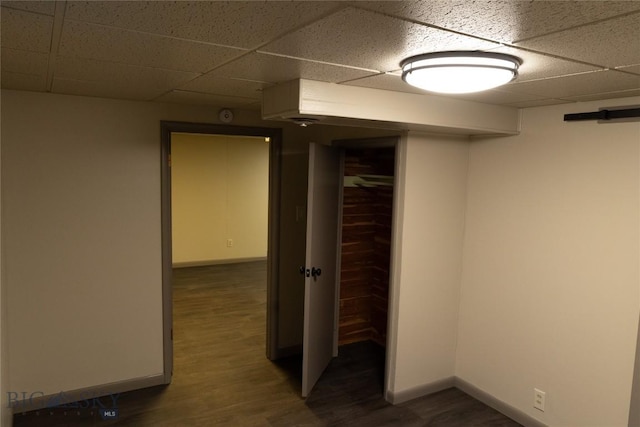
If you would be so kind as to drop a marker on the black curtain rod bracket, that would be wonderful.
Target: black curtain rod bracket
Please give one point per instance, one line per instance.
(605, 114)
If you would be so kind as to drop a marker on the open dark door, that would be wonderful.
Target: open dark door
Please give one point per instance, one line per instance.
(325, 182)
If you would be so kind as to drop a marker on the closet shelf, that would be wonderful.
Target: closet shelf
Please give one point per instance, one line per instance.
(368, 181)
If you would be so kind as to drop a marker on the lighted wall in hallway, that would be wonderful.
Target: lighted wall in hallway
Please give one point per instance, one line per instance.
(219, 187)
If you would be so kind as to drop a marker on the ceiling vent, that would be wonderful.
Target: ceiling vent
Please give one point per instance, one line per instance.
(304, 121)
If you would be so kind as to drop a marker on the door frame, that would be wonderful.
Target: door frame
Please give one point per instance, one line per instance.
(395, 142)
(273, 227)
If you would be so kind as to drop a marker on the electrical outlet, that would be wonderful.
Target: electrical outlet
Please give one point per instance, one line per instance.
(538, 399)
(229, 243)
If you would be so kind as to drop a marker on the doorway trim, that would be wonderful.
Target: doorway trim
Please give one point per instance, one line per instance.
(396, 142)
(273, 228)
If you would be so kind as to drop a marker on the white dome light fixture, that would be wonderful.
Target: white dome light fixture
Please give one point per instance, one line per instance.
(459, 71)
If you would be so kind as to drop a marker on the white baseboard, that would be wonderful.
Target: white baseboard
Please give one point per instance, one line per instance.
(22, 403)
(422, 390)
(500, 406)
(473, 391)
(204, 263)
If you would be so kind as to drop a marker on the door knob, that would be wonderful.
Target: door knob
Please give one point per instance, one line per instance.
(304, 271)
(315, 272)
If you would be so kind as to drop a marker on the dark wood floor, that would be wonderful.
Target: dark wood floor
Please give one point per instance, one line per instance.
(222, 377)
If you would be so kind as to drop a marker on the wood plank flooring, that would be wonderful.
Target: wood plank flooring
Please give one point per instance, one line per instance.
(222, 377)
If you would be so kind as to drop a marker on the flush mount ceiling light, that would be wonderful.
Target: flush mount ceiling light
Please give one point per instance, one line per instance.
(459, 71)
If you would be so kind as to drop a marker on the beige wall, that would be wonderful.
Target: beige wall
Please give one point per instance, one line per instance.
(81, 216)
(430, 208)
(550, 283)
(81, 219)
(549, 293)
(81, 225)
(220, 191)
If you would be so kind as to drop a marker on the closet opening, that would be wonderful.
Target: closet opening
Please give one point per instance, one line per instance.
(365, 259)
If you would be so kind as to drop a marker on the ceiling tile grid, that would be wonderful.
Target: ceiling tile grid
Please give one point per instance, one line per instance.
(393, 82)
(24, 62)
(82, 40)
(605, 95)
(610, 43)
(42, 7)
(206, 52)
(21, 81)
(565, 87)
(128, 81)
(504, 21)
(104, 71)
(635, 69)
(272, 69)
(225, 86)
(359, 38)
(536, 66)
(195, 98)
(242, 24)
(25, 30)
(119, 90)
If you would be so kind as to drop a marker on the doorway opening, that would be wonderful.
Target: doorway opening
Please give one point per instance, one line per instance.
(219, 199)
(365, 256)
(227, 250)
(348, 255)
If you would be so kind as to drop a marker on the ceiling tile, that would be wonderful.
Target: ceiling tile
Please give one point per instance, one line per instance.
(217, 85)
(273, 69)
(128, 81)
(500, 97)
(111, 44)
(194, 98)
(43, 7)
(574, 85)
(630, 69)
(538, 103)
(606, 95)
(121, 90)
(25, 30)
(505, 21)
(243, 24)
(25, 62)
(611, 43)
(20, 81)
(395, 83)
(359, 38)
(387, 81)
(538, 66)
(180, 50)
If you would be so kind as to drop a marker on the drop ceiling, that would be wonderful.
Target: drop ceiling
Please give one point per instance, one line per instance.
(226, 53)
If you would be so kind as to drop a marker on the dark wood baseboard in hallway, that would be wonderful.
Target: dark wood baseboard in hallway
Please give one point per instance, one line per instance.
(222, 377)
